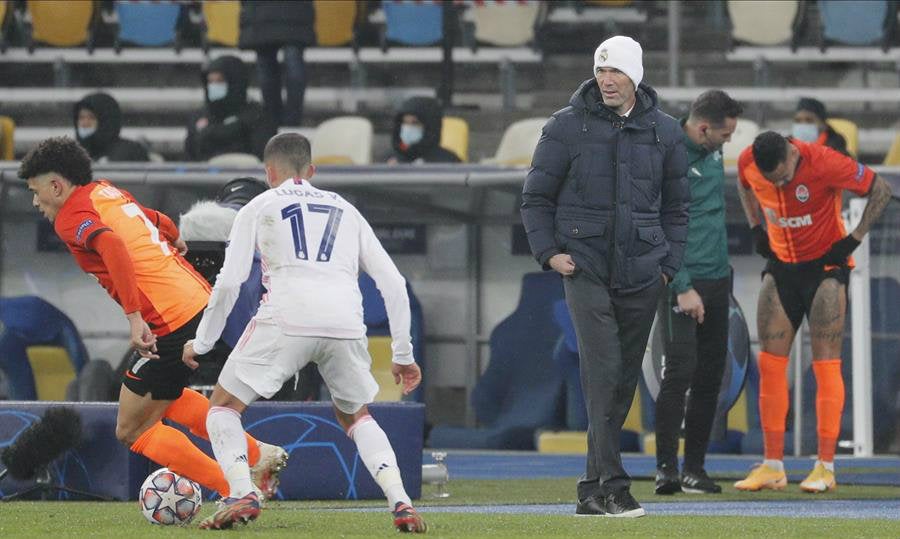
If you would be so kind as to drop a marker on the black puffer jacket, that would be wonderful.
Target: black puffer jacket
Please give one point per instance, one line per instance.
(273, 24)
(610, 191)
(428, 110)
(235, 124)
(105, 144)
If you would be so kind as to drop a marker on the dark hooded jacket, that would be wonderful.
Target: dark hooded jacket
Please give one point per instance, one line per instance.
(235, 124)
(274, 23)
(610, 191)
(105, 144)
(428, 111)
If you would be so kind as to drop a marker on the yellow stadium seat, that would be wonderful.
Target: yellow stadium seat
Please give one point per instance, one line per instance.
(575, 442)
(518, 143)
(849, 131)
(744, 133)
(7, 138)
(893, 156)
(222, 21)
(380, 350)
(343, 140)
(52, 371)
(60, 23)
(334, 22)
(455, 136)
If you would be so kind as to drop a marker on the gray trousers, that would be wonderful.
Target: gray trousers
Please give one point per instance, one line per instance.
(612, 331)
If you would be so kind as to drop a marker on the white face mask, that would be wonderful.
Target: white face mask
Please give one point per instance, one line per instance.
(805, 132)
(411, 134)
(216, 90)
(85, 132)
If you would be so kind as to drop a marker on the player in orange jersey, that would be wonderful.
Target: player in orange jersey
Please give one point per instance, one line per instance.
(136, 255)
(798, 186)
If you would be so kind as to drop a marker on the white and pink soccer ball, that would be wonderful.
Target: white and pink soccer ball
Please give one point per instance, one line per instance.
(168, 499)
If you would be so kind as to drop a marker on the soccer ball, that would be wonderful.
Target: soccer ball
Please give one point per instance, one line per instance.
(167, 498)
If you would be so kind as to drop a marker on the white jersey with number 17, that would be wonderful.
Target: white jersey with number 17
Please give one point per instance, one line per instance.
(313, 244)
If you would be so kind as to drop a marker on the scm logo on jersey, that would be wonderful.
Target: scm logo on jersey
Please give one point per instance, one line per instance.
(788, 222)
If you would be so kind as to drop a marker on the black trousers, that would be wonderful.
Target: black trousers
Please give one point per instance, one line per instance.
(612, 331)
(695, 360)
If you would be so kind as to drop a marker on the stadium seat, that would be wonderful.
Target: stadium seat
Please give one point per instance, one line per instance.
(892, 158)
(222, 18)
(345, 140)
(764, 22)
(335, 22)
(519, 391)
(380, 350)
(504, 25)
(518, 143)
(60, 24)
(7, 138)
(856, 22)
(412, 23)
(3, 11)
(850, 132)
(147, 25)
(235, 160)
(52, 370)
(455, 136)
(742, 137)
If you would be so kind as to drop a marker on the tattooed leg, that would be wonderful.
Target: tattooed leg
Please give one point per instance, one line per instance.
(773, 325)
(826, 319)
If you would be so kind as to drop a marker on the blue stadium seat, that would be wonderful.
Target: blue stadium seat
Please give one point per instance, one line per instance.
(856, 22)
(413, 23)
(29, 321)
(147, 25)
(521, 390)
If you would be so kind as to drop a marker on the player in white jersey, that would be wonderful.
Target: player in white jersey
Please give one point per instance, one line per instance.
(313, 244)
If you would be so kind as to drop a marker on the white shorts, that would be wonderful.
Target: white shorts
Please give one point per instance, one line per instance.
(265, 358)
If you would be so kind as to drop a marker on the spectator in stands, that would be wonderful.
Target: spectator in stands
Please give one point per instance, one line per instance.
(693, 314)
(605, 205)
(268, 27)
(810, 125)
(230, 123)
(416, 137)
(98, 121)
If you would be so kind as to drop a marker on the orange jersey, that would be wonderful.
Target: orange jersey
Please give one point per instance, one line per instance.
(171, 292)
(804, 216)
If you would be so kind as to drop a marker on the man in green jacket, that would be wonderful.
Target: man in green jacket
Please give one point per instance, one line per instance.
(694, 312)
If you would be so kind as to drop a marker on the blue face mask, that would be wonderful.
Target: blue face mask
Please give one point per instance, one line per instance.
(411, 134)
(805, 132)
(216, 90)
(85, 132)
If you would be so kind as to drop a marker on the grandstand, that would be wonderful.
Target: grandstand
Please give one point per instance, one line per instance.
(455, 231)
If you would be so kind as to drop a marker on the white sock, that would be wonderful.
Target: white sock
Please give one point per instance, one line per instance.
(226, 435)
(828, 465)
(776, 465)
(376, 453)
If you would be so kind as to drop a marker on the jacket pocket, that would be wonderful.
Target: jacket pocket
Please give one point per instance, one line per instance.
(578, 235)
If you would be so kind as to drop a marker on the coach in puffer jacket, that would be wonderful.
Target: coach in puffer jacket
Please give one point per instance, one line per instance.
(605, 204)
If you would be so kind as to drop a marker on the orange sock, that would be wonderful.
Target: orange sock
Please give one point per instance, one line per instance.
(190, 410)
(773, 402)
(173, 449)
(829, 405)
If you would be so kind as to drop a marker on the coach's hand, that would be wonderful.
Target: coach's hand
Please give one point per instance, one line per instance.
(761, 242)
(188, 356)
(840, 250)
(410, 375)
(562, 263)
(690, 303)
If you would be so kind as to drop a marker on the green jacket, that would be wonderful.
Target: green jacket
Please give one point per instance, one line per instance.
(706, 253)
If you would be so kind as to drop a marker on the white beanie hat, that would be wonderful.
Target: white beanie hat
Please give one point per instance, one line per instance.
(622, 53)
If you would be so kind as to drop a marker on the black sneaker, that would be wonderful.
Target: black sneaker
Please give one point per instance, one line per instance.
(698, 483)
(622, 504)
(591, 506)
(667, 482)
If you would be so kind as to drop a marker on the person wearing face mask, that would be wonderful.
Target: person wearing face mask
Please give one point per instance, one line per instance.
(98, 121)
(810, 125)
(417, 133)
(693, 314)
(229, 123)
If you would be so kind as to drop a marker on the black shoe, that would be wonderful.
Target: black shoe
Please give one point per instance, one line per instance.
(698, 483)
(592, 505)
(667, 481)
(622, 504)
